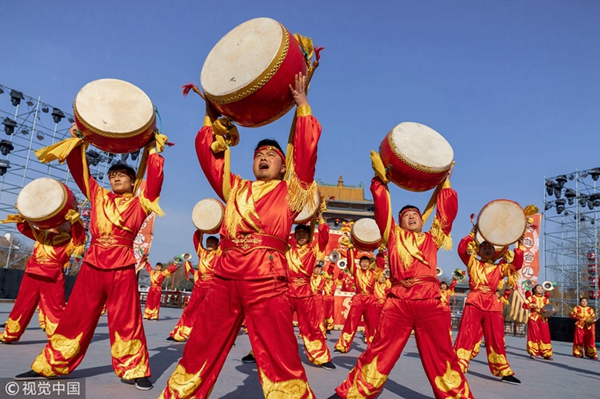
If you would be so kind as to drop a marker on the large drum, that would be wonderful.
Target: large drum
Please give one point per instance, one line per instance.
(417, 158)
(246, 76)
(309, 211)
(365, 234)
(501, 222)
(208, 215)
(44, 202)
(114, 115)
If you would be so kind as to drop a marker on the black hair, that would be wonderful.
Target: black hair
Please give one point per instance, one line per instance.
(405, 207)
(124, 167)
(443, 282)
(271, 142)
(213, 238)
(159, 264)
(302, 227)
(365, 257)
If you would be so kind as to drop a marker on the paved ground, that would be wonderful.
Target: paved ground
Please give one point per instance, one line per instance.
(565, 377)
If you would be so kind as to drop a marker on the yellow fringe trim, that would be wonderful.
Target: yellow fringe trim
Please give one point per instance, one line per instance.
(405, 256)
(225, 135)
(232, 217)
(13, 218)
(442, 240)
(299, 196)
(151, 206)
(72, 216)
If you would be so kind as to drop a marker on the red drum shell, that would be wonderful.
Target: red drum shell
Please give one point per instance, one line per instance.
(102, 97)
(271, 101)
(366, 235)
(501, 222)
(208, 215)
(44, 202)
(409, 176)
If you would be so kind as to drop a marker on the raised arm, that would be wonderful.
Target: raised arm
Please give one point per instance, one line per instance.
(154, 176)
(323, 235)
(464, 252)
(383, 208)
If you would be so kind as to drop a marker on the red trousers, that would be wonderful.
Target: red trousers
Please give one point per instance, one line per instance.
(584, 342)
(328, 303)
(117, 288)
(475, 322)
(399, 317)
(538, 338)
(309, 322)
(266, 306)
(36, 289)
(362, 305)
(153, 303)
(183, 328)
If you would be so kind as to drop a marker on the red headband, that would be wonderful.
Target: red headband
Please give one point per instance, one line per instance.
(409, 209)
(271, 148)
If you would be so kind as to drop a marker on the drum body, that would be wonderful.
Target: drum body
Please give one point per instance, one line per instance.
(44, 202)
(246, 76)
(208, 215)
(365, 234)
(114, 115)
(309, 211)
(416, 157)
(501, 222)
(547, 311)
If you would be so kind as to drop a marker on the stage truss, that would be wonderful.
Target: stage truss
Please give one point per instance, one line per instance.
(27, 124)
(571, 206)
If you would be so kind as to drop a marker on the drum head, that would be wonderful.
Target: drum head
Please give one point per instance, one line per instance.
(309, 211)
(113, 107)
(501, 222)
(41, 199)
(207, 215)
(421, 147)
(242, 56)
(366, 231)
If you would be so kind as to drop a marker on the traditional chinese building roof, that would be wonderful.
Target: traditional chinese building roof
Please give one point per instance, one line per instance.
(346, 203)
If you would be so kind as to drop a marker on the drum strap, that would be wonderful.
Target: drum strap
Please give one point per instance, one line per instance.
(250, 242)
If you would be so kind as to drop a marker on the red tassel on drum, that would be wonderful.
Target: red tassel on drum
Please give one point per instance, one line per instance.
(318, 52)
(187, 88)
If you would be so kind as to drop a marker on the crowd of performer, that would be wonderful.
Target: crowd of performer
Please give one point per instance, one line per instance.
(262, 269)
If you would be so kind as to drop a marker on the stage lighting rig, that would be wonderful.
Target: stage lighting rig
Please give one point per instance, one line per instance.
(4, 165)
(16, 97)
(9, 126)
(6, 147)
(57, 115)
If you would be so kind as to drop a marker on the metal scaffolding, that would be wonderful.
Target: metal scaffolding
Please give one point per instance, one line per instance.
(571, 206)
(30, 124)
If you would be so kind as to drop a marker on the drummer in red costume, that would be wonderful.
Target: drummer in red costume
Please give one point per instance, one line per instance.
(251, 275)
(363, 302)
(157, 277)
(203, 278)
(301, 258)
(413, 301)
(481, 312)
(329, 286)
(43, 281)
(107, 276)
(538, 331)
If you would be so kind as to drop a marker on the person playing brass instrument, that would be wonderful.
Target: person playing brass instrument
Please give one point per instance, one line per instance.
(584, 340)
(538, 331)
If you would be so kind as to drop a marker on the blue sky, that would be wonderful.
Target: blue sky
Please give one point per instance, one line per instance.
(514, 86)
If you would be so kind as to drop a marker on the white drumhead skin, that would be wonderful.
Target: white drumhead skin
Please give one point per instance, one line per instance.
(309, 210)
(502, 222)
(366, 231)
(113, 106)
(41, 198)
(241, 56)
(207, 214)
(422, 146)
